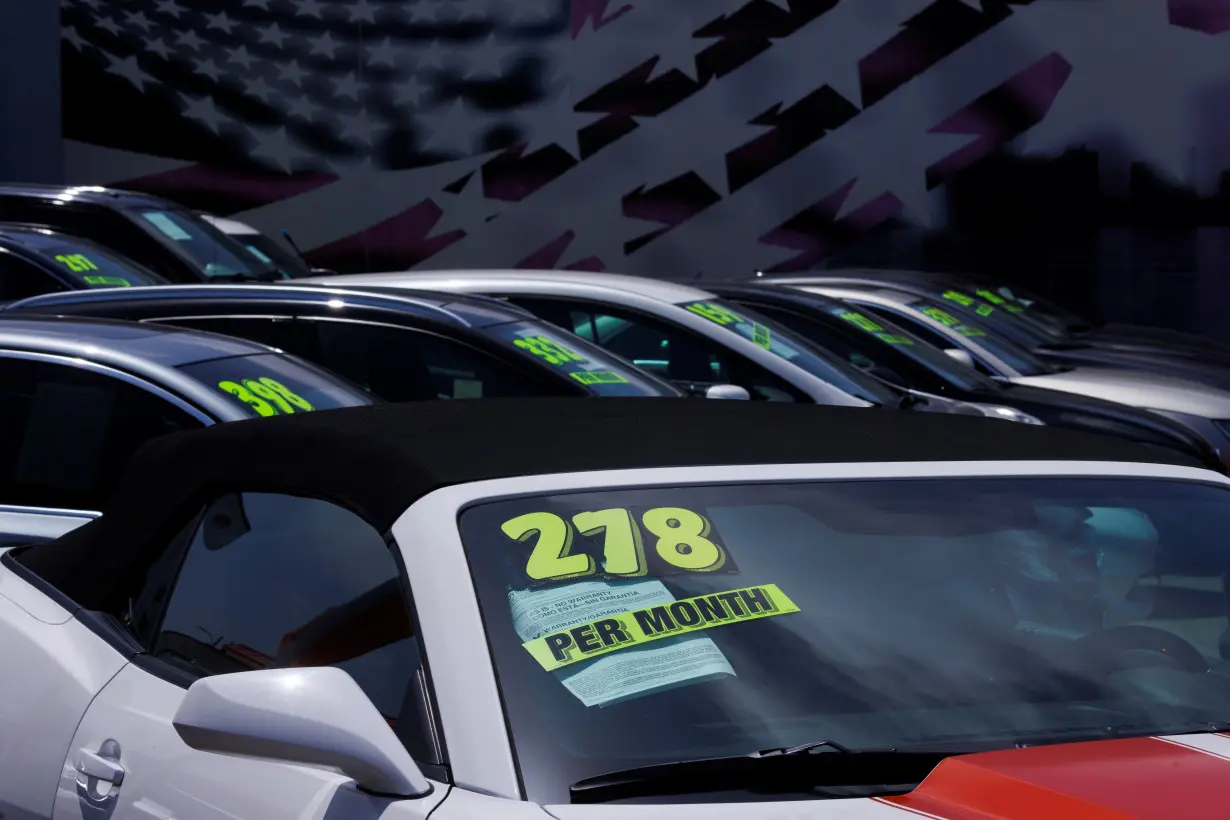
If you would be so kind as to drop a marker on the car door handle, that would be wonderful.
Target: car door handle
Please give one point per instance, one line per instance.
(94, 765)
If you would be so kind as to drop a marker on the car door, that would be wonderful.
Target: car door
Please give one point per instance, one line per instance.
(69, 427)
(254, 581)
(676, 354)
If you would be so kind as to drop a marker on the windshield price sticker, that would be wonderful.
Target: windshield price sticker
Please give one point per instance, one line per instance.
(548, 349)
(641, 626)
(266, 396)
(869, 325)
(107, 281)
(658, 541)
(948, 320)
(590, 377)
(76, 262)
(997, 300)
(981, 308)
(719, 315)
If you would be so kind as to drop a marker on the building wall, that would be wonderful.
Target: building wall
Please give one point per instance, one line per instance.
(30, 91)
(1081, 146)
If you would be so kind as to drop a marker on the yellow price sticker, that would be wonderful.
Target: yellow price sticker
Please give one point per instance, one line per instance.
(681, 539)
(107, 281)
(548, 349)
(871, 326)
(590, 377)
(266, 396)
(76, 262)
(641, 626)
(948, 320)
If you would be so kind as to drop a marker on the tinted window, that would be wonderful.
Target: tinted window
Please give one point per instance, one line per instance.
(273, 581)
(89, 264)
(68, 432)
(664, 350)
(270, 384)
(399, 364)
(212, 252)
(19, 279)
(268, 249)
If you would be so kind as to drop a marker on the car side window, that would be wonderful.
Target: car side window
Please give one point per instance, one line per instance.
(277, 581)
(399, 364)
(687, 359)
(20, 280)
(68, 432)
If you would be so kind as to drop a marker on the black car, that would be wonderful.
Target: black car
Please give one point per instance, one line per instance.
(174, 242)
(401, 347)
(36, 260)
(896, 355)
(1054, 335)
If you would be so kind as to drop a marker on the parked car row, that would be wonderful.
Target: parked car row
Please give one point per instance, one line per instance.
(257, 559)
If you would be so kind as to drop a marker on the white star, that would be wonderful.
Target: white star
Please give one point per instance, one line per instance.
(260, 89)
(170, 8)
(273, 35)
(129, 70)
(279, 149)
(431, 56)
(242, 56)
(139, 20)
(292, 73)
(360, 128)
(74, 37)
(383, 54)
(204, 110)
(325, 46)
(302, 107)
(450, 130)
(107, 24)
(220, 21)
(411, 90)
(362, 11)
(189, 39)
(347, 85)
(555, 123)
(487, 59)
(210, 69)
(157, 45)
(309, 8)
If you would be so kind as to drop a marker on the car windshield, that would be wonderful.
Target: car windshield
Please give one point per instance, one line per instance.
(214, 254)
(270, 384)
(786, 344)
(632, 627)
(904, 343)
(979, 332)
(269, 250)
(90, 264)
(1002, 314)
(602, 373)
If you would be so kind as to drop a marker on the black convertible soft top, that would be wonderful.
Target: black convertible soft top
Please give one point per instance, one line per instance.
(377, 461)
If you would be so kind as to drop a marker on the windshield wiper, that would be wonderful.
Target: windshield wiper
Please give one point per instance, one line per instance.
(807, 768)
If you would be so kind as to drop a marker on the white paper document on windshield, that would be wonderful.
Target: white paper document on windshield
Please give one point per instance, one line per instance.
(626, 674)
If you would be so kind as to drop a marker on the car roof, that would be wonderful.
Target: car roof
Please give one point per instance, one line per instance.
(93, 194)
(377, 461)
(770, 293)
(118, 343)
(660, 289)
(461, 309)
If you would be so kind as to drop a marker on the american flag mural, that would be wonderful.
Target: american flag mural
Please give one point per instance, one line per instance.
(673, 138)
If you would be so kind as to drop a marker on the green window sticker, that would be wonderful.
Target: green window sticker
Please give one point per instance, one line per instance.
(997, 300)
(266, 396)
(948, 320)
(758, 333)
(548, 349)
(592, 377)
(76, 262)
(106, 281)
(874, 328)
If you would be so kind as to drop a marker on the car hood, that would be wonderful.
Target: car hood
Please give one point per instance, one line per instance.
(1139, 389)
(1185, 776)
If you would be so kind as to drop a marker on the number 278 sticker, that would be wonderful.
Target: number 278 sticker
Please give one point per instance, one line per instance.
(679, 540)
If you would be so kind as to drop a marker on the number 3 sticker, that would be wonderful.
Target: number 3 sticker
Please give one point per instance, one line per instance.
(680, 538)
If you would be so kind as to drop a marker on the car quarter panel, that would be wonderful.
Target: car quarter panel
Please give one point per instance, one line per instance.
(451, 621)
(55, 668)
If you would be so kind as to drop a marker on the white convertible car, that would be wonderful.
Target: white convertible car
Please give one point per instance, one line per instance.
(533, 608)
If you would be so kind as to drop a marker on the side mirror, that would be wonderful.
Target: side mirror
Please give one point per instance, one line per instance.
(961, 355)
(727, 391)
(315, 715)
